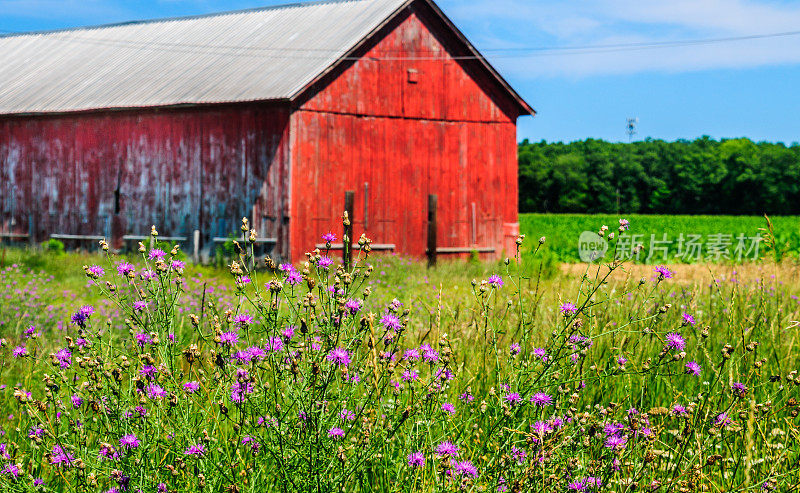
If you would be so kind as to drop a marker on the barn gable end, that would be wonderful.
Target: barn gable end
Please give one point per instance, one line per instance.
(406, 119)
(414, 66)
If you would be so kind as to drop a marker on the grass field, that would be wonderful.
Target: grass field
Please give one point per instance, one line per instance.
(563, 230)
(393, 377)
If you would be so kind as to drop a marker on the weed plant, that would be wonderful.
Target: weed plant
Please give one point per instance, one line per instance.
(307, 379)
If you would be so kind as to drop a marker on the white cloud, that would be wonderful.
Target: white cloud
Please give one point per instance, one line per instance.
(541, 23)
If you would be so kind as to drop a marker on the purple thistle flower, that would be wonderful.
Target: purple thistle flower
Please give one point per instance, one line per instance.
(95, 271)
(496, 281)
(688, 320)
(294, 278)
(288, 333)
(274, 344)
(616, 442)
(447, 449)
(156, 254)
(416, 459)
(11, 470)
(448, 408)
(568, 309)
(624, 224)
(513, 398)
(722, 420)
(739, 389)
(693, 368)
(80, 317)
(155, 391)
(242, 320)
(20, 351)
(325, 263)
(195, 450)
(541, 428)
(353, 306)
(191, 387)
(465, 468)
(240, 390)
(125, 268)
(339, 356)
(410, 376)
(390, 322)
(515, 349)
(228, 338)
(443, 374)
(139, 306)
(60, 457)
(518, 454)
(142, 338)
(429, 354)
(148, 371)
(679, 410)
(411, 354)
(663, 272)
(64, 358)
(540, 353)
(178, 265)
(675, 341)
(335, 433)
(130, 441)
(329, 237)
(77, 401)
(541, 399)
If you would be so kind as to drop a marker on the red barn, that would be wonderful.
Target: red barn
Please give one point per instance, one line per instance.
(192, 123)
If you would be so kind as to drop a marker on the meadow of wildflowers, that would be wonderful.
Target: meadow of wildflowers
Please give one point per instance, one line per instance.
(310, 377)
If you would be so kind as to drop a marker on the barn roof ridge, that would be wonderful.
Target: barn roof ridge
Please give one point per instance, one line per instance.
(177, 18)
(220, 57)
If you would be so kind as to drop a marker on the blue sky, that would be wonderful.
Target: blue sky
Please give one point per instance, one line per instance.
(747, 88)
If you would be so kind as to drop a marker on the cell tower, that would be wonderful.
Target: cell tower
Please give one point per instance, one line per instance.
(631, 127)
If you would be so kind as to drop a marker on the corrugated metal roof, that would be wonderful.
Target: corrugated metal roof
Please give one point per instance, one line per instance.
(258, 54)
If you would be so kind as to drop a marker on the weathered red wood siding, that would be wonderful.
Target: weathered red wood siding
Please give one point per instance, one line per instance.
(180, 169)
(407, 128)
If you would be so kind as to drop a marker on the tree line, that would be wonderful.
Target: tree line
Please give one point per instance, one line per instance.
(703, 176)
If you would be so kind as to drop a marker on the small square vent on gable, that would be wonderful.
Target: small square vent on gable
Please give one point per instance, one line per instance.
(413, 76)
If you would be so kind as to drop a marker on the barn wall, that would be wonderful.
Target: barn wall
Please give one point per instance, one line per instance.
(117, 173)
(402, 161)
(407, 129)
